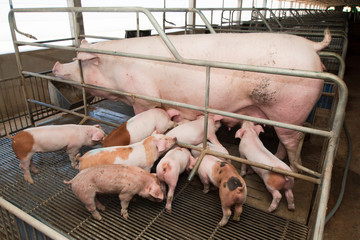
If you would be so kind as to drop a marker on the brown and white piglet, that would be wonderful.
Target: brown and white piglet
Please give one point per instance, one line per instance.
(140, 127)
(53, 138)
(170, 167)
(232, 187)
(142, 154)
(253, 150)
(126, 181)
(192, 132)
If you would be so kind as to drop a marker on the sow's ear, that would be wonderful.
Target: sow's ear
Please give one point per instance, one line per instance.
(86, 56)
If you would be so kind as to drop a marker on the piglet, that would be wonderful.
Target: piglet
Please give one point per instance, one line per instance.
(126, 181)
(253, 149)
(141, 126)
(142, 154)
(232, 187)
(170, 167)
(53, 138)
(192, 132)
(218, 148)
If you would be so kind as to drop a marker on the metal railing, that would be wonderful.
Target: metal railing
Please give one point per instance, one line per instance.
(332, 134)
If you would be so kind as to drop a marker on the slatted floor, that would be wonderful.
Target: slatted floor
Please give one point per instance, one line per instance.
(195, 214)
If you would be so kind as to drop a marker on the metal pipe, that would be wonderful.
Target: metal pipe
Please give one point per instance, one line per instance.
(53, 234)
(196, 108)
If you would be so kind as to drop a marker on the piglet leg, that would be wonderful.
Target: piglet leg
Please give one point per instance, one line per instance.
(290, 199)
(125, 200)
(237, 211)
(170, 198)
(99, 205)
(25, 164)
(276, 200)
(226, 216)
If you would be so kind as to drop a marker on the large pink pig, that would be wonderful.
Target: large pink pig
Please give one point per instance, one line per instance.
(275, 97)
(53, 138)
(192, 132)
(253, 150)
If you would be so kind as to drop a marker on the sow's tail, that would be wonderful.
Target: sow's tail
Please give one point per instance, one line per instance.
(325, 42)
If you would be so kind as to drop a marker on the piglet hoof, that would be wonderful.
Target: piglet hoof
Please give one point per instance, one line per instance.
(272, 208)
(96, 215)
(168, 209)
(236, 218)
(29, 179)
(291, 207)
(125, 214)
(223, 222)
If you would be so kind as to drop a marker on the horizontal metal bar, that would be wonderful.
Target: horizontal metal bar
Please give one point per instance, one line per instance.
(73, 112)
(242, 160)
(193, 107)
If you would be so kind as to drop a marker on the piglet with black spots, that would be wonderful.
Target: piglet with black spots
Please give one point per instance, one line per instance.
(53, 138)
(253, 150)
(232, 187)
(127, 181)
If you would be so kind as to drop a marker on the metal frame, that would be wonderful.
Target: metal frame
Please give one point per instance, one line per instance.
(333, 134)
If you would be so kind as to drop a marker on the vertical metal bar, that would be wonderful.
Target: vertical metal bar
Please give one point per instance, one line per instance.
(4, 223)
(77, 44)
(19, 64)
(137, 25)
(196, 167)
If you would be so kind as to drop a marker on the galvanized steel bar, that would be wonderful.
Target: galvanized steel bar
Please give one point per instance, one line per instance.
(32, 221)
(197, 108)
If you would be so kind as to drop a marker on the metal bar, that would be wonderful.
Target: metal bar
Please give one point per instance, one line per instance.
(32, 221)
(197, 108)
(19, 63)
(243, 160)
(73, 112)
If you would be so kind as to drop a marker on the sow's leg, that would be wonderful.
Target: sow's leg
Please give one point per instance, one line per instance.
(290, 140)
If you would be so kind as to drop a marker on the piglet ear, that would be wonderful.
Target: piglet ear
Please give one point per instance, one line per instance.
(239, 133)
(98, 136)
(161, 145)
(172, 112)
(258, 129)
(97, 126)
(155, 193)
(217, 118)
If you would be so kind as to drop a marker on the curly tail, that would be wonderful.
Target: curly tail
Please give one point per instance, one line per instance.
(325, 42)
(68, 182)
(8, 135)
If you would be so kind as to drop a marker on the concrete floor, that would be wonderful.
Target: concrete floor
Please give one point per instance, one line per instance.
(345, 224)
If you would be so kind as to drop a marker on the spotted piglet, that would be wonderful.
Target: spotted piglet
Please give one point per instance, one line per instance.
(232, 187)
(127, 181)
(142, 154)
(253, 149)
(141, 126)
(53, 138)
(170, 167)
